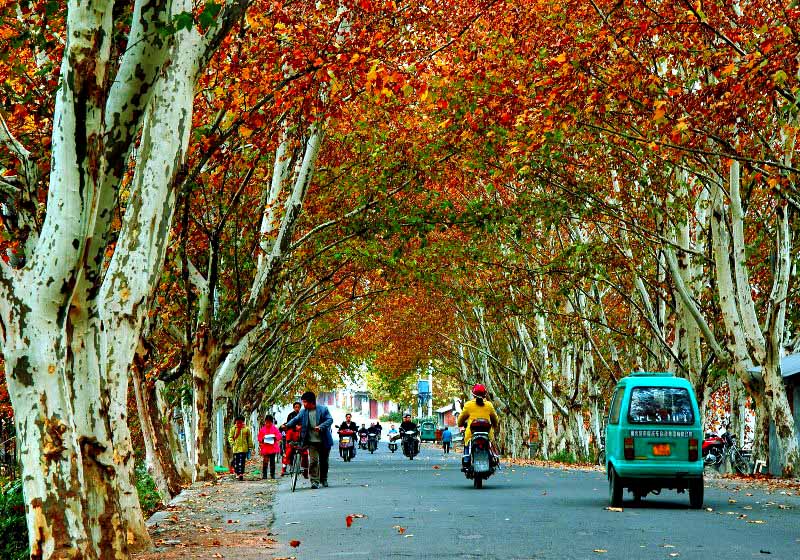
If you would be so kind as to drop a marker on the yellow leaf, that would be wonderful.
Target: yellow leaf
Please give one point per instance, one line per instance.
(561, 59)
(372, 75)
(245, 132)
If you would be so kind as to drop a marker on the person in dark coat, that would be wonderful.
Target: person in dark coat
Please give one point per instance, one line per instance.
(316, 422)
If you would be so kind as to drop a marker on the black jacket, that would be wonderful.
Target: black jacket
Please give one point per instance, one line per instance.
(408, 427)
(349, 426)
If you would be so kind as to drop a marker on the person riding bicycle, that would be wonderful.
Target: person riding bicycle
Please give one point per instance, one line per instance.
(477, 409)
(292, 445)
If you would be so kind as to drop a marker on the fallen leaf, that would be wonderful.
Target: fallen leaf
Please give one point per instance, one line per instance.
(407, 536)
(600, 550)
(348, 521)
(610, 508)
(294, 544)
(437, 467)
(731, 501)
(674, 554)
(756, 521)
(667, 546)
(217, 555)
(400, 529)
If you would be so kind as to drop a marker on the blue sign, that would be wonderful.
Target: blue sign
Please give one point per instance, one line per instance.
(423, 387)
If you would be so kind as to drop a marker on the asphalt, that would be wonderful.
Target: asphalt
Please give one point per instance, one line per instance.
(427, 509)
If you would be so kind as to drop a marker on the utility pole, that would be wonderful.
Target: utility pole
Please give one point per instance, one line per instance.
(430, 391)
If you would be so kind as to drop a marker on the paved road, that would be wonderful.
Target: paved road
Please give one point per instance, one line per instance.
(521, 513)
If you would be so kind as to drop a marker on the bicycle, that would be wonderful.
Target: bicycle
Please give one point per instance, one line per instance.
(297, 464)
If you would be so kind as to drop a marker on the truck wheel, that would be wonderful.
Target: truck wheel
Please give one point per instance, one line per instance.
(696, 493)
(614, 488)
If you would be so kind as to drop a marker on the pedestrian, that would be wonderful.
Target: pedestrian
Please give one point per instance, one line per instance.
(447, 439)
(269, 443)
(316, 422)
(241, 440)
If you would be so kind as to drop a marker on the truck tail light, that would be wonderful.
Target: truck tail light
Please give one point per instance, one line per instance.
(693, 449)
(629, 448)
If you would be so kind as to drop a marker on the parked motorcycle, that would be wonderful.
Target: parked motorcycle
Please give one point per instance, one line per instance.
(480, 462)
(372, 442)
(717, 447)
(347, 445)
(410, 444)
(362, 440)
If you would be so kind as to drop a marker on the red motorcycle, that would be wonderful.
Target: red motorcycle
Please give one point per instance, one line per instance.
(717, 447)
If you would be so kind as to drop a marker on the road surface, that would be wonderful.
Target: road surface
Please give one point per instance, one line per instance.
(426, 509)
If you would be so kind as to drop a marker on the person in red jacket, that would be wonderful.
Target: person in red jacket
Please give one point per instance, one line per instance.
(293, 446)
(269, 442)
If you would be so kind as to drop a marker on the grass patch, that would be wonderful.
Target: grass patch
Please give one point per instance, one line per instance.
(13, 529)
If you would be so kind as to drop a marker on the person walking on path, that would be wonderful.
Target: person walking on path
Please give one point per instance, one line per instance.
(269, 443)
(316, 422)
(447, 439)
(241, 440)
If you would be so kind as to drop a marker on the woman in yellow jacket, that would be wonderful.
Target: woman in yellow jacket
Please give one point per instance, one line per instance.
(241, 440)
(477, 408)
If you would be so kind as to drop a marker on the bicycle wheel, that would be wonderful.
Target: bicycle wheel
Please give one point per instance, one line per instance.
(296, 468)
(739, 462)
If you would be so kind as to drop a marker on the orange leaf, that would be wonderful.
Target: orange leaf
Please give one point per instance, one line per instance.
(348, 520)
(294, 544)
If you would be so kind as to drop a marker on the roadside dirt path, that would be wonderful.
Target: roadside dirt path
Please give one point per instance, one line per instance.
(229, 519)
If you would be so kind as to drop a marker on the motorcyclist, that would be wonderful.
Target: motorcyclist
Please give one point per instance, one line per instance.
(348, 424)
(407, 426)
(477, 408)
(373, 429)
(392, 435)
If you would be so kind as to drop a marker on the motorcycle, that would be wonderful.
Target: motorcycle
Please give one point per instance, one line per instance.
(410, 444)
(717, 447)
(347, 445)
(362, 440)
(480, 461)
(372, 442)
(392, 444)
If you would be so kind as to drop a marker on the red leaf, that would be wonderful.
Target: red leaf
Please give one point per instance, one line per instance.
(294, 544)
(348, 520)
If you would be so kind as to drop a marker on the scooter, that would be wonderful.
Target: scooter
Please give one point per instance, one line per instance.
(410, 445)
(347, 445)
(479, 461)
(362, 440)
(372, 442)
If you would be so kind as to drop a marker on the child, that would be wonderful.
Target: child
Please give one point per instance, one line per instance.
(292, 446)
(269, 442)
(241, 440)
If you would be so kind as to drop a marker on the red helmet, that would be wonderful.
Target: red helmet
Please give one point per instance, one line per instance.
(479, 390)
